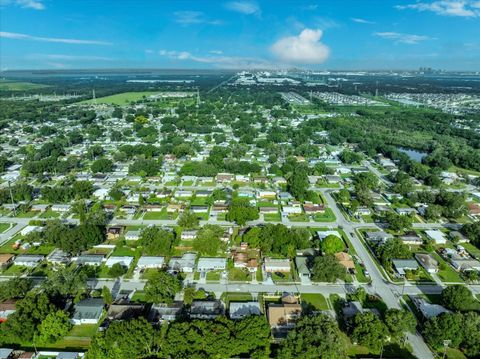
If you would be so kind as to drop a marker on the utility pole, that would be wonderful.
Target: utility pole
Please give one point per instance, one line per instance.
(11, 197)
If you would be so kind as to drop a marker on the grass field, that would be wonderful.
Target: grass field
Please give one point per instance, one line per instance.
(6, 85)
(4, 227)
(121, 98)
(318, 301)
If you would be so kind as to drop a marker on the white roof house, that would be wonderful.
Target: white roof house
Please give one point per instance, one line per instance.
(437, 236)
(324, 234)
(210, 263)
(239, 310)
(277, 265)
(30, 229)
(123, 261)
(133, 235)
(28, 260)
(146, 262)
(185, 263)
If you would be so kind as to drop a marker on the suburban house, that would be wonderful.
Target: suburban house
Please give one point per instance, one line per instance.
(378, 236)
(284, 315)
(160, 313)
(88, 311)
(302, 268)
(427, 309)
(123, 261)
(90, 259)
(403, 265)
(272, 265)
(206, 309)
(148, 262)
(6, 260)
(189, 235)
(346, 260)
(240, 310)
(185, 263)
(427, 262)
(133, 235)
(437, 236)
(206, 264)
(28, 260)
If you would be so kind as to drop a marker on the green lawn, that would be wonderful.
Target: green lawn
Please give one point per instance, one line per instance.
(239, 275)
(4, 227)
(318, 301)
(14, 270)
(298, 217)
(7, 85)
(163, 215)
(84, 330)
(138, 296)
(471, 249)
(272, 217)
(213, 275)
(121, 98)
(448, 274)
(236, 297)
(328, 216)
(50, 214)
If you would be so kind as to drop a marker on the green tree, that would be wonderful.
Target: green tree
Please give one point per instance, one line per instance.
(117, 270)
(125, 340)
(240, 211)
(15, 288)
(332, 244)
(398, 222)
(368, 330)
(208, 240)
(446, 326)
(327, 269)
(54, 327)
(399, 322)
(65, 281)
(314, 337)
(107, 295)
(458, 298)
(157, 241)
(30, 311)
(161, 287)
(188, 220)
(102, 165)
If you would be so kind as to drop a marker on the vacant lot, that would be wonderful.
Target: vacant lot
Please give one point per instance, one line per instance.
(122, 98)
(6, 85)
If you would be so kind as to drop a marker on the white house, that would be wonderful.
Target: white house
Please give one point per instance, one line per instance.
(437, 236)
(147, 262)
(211, 263)
(185, 263)
(123, 261)
(276, 265)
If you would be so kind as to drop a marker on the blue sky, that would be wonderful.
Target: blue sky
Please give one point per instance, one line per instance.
(327, 34)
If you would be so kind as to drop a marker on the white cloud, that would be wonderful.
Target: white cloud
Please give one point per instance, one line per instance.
(462, 8)
(18, 36)
(62, 57)
(225, 62)
(361, 21)
(26, 4)
(244, 7)
(194, 17)
(305, 48)
(402, 38)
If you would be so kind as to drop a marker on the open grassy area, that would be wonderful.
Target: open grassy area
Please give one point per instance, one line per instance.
(121, 98)
(328, 216)
(7, 85)
(446, 273)
(272, 217)
(236, 297)
(317, 301)
(238, 275)
(4, 227)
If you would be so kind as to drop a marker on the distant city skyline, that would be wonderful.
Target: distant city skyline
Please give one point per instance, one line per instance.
(346, 35)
